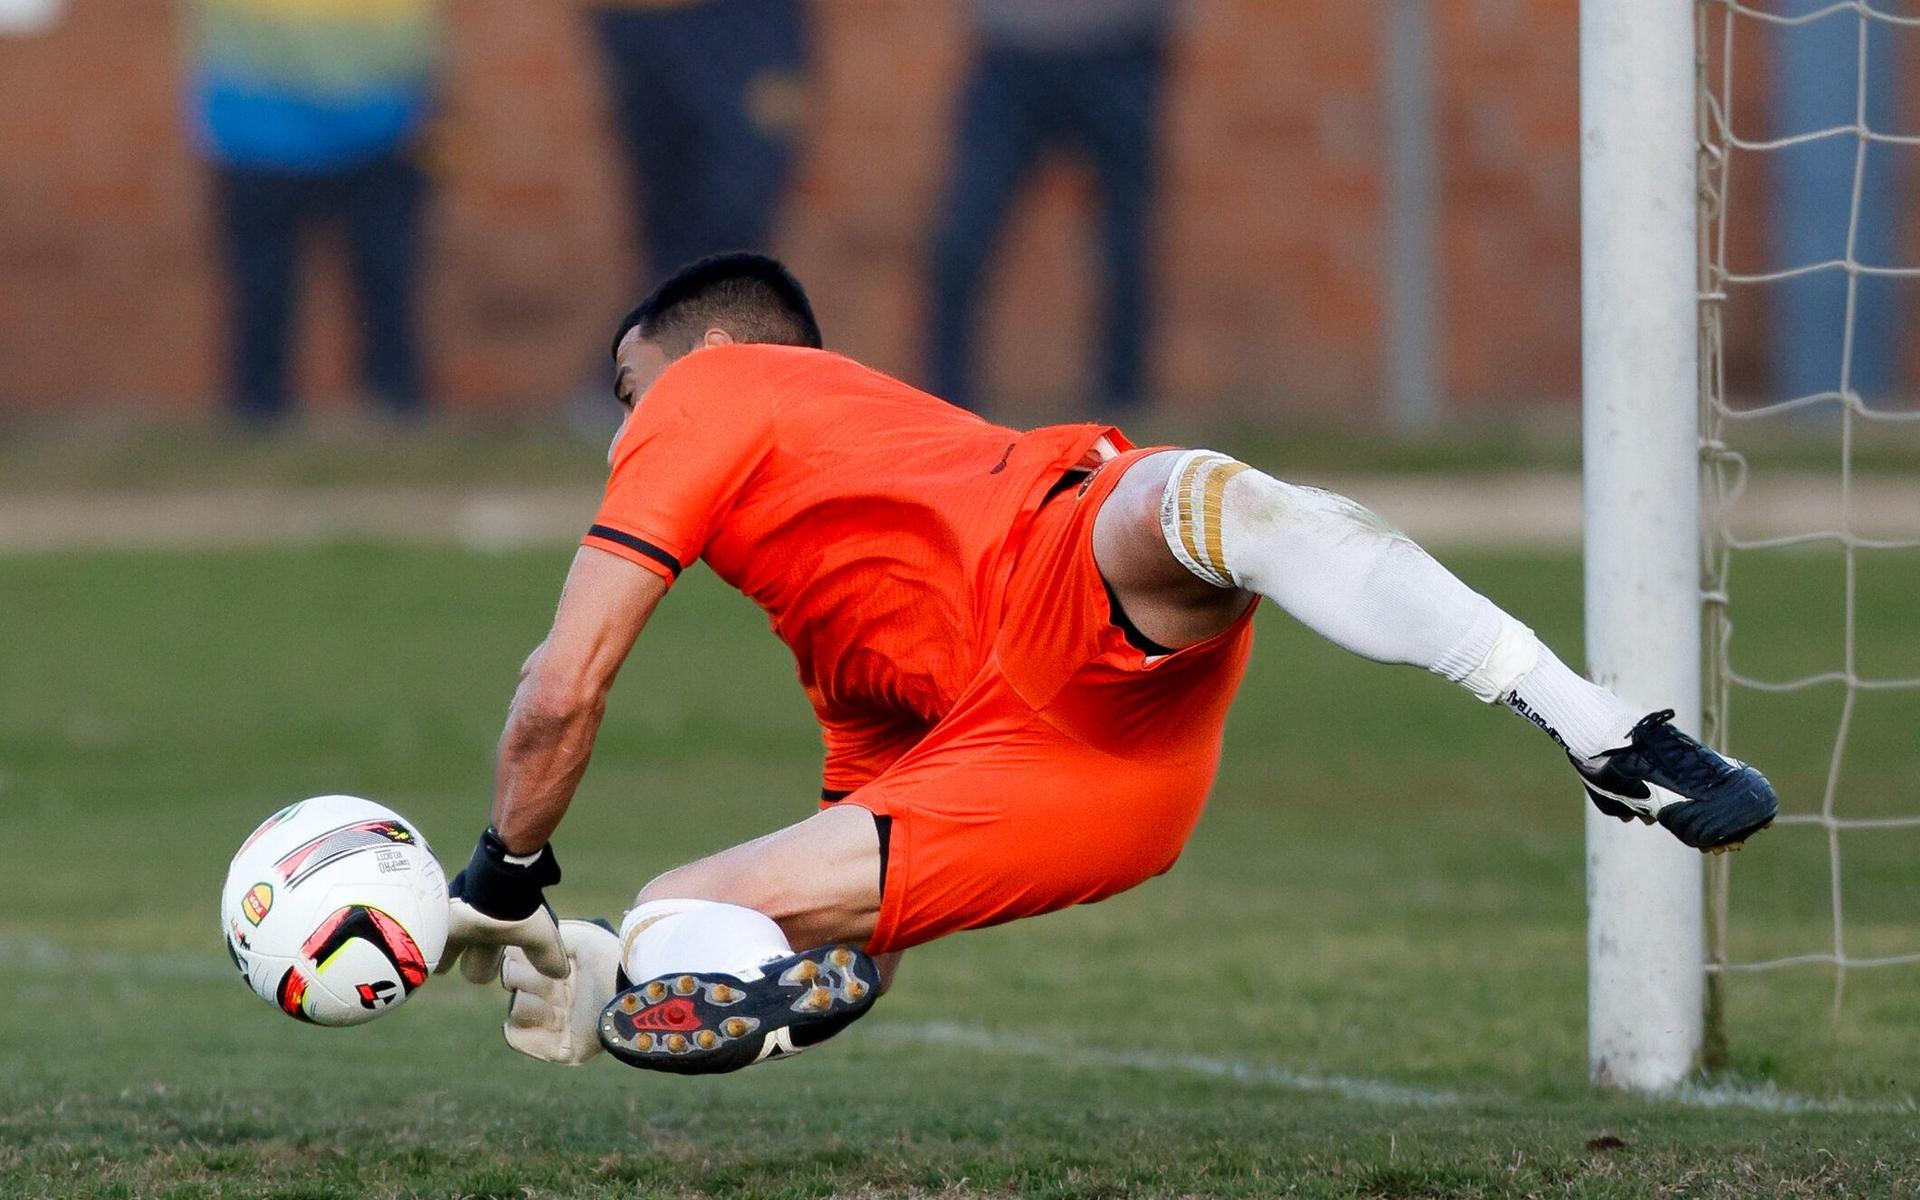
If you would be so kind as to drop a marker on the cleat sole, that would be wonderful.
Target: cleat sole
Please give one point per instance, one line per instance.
(699, 1024)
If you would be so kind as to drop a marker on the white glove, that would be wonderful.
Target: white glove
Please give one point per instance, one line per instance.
(497, 902)
(558, 1020)
(478, 941)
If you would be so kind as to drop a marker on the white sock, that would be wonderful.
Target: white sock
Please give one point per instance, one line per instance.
(1350, 577)
(661, 937)
(1585, 718)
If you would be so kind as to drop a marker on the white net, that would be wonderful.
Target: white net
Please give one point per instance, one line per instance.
(1832, 694)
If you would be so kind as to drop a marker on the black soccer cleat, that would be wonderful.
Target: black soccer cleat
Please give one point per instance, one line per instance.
(694, 1024)
(1720, 801)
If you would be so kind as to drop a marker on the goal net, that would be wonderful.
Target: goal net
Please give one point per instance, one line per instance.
(1803, 289)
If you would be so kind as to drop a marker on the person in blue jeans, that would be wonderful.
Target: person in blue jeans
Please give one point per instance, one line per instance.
(310, 115)
(706, 99)
(1083, 76)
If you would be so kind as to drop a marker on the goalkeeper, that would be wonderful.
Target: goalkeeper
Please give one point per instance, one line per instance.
(1020, 646)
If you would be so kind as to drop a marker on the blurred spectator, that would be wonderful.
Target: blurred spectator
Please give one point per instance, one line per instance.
(1815, 84)
(1077, 75)
(706, 98)
(310, 114)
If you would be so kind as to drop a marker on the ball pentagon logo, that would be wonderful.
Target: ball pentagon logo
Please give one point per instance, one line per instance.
(377, 929)
(258, 900)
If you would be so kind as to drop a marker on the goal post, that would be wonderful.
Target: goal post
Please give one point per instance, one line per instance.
(1640, 434)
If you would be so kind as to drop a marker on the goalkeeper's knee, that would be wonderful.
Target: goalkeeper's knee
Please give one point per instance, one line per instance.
(1340, 570)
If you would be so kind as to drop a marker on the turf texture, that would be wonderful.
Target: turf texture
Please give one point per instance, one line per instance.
(1364, 978)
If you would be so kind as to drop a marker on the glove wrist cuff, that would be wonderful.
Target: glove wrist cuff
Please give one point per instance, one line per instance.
(505, 886)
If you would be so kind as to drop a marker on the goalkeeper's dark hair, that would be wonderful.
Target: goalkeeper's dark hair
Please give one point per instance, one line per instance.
(753, 297)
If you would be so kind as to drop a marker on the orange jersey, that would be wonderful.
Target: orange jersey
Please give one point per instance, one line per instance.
(875, 525)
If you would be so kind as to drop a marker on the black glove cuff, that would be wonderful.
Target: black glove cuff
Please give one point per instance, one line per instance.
(503, 890)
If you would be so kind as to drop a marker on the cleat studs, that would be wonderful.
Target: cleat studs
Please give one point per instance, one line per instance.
(816, 1000)
(685, 985)
(656, 990)
(722, 994)
(676, 1043)
(855, 989)
(643, 1041)
(706, 1039)
(629, 1003)
(735, 1027)
(804, 971)
(841, 956)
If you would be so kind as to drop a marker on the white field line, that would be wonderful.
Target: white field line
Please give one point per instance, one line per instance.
(1231, 1070)
(1252, 1073)
(45, 956)
(1541, 509)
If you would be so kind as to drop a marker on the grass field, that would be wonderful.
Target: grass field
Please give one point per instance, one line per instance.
(1365, 978)
(346, 448)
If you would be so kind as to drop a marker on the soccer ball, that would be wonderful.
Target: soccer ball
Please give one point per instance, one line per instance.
(335, 910)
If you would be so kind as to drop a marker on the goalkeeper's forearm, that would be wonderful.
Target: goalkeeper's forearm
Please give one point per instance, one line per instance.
(543, 753)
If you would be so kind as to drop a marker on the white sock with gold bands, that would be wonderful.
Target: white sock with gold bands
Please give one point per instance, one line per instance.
(1350, 577)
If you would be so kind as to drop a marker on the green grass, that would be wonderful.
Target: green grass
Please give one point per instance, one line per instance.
(1387, 887)
(346, 449)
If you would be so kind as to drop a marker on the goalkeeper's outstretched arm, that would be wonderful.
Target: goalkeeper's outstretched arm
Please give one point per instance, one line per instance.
(498, 900)
(562, 694)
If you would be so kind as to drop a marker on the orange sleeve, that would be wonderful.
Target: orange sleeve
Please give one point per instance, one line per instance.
(692, 442)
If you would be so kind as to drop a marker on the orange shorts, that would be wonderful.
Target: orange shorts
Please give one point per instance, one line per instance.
(1072, 767)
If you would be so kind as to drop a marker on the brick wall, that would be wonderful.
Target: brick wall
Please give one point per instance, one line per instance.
(1268, 231)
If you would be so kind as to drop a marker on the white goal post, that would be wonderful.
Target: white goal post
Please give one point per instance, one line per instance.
(1640, 416)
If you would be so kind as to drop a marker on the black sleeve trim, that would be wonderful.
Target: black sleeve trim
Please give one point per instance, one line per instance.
(833, 797)
(609, 534)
